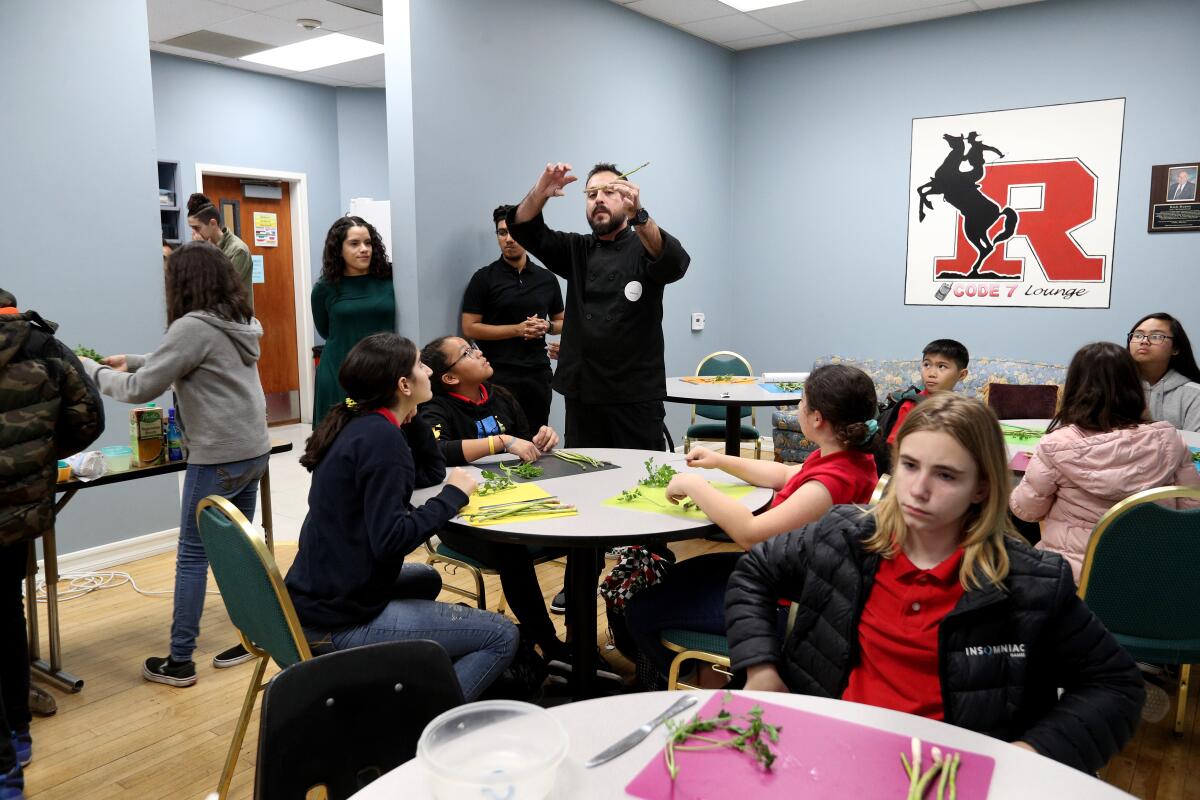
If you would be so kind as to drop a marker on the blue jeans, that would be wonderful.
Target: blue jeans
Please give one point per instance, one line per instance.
(480, 643)
(236, 482)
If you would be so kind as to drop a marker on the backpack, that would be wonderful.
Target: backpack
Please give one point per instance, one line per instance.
(887, 421)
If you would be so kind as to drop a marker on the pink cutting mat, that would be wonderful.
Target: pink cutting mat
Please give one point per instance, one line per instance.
(818, 757)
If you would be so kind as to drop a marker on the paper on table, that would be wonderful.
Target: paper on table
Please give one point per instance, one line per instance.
(817, 756)
(785, 377)
(719, 379)
(518, 493)
(654, 500)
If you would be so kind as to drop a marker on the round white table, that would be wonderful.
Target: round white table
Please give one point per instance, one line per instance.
(593, 725)
(731, 395)
(1190, 438)
(595, 528)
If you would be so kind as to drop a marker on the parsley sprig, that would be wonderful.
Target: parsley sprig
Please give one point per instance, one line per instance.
(657, 476)
(493, 483)
(751, 735)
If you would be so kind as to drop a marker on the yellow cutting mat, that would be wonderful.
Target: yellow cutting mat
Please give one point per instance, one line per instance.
(654, 500)
(719, 379)
(518, 493)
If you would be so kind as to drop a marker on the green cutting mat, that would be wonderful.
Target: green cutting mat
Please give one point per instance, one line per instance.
(655, 500)
(1022, 437)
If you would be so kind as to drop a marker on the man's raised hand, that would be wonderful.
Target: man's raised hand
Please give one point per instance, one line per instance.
(553, 179)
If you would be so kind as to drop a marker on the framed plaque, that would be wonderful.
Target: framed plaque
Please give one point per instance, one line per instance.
(1174, 205)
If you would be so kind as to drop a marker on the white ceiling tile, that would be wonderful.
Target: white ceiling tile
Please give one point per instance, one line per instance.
(333, 17)
(680, 12)
(170, 18)
(728, 29)
(887, 20)
(195, 55)
(372, 33)
(812, 13)
(254, 5)
(374, 85)
(759, 41)
(364, 70)
(261, 28)
(250, 66)
(988, 5)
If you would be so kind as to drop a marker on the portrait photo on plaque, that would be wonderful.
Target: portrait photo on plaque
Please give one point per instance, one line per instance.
(1174, 207)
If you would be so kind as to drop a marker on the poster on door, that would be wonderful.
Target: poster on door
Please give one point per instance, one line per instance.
(1015, 208)
(266, 229)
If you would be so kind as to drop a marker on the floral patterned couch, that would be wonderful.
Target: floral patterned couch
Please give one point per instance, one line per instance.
(889, 376)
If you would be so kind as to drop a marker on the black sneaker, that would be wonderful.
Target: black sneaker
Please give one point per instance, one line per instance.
(232, 657)
(172, 673)
(559, 604)
(604, 671)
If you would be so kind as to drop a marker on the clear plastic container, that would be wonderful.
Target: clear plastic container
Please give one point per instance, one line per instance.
(116, 458)
(494, 748)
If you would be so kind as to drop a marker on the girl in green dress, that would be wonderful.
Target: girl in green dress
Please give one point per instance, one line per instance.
(352, 300)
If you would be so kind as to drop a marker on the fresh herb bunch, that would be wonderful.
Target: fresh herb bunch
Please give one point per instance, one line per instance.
(1196, 456)
(750, 735)
(657, 476)
(720, 378)
(790, 386)
(522, 470)
(578, 459)
(944, 768)
(522, 508)
(493, 483)
(1023, 434)
(636, 493)
(87, 352)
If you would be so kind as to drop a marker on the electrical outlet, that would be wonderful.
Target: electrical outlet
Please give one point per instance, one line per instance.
(697, 320)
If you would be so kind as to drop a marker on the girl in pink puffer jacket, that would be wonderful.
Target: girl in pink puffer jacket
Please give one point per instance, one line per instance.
(1098, 451)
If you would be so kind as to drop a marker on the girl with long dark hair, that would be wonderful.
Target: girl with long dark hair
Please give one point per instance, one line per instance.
(349, 582)
(1170, 377)
(352, 299)
(1099, 449)
(837, 412)
(210, 355)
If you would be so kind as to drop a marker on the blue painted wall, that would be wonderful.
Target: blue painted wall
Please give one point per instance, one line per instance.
(80, 205)
(362, 144)
(817, 120)
(499, 89)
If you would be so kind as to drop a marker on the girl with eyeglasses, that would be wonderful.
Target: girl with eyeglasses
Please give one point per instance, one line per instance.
(1168, 370)
(1099, 449)
(473, 419)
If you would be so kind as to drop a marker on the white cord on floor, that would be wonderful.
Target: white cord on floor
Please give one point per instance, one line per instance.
(81, 583)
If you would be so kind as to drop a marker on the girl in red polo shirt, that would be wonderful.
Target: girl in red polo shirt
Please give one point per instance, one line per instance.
(929, 603)
(837, 413)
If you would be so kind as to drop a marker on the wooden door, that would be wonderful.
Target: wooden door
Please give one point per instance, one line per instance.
(274, 298)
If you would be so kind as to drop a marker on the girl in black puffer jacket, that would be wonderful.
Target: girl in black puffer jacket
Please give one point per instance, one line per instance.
(930, 604)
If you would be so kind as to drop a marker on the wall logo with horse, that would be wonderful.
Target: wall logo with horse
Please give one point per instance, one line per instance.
(1015, 208)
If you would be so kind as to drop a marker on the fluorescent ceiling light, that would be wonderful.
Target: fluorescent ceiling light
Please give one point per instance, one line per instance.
(755, 5)
(323, 51)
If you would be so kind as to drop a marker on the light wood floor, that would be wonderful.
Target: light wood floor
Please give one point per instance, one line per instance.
(122, 737)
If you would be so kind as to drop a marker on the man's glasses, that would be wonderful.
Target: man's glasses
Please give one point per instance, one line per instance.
(470, 352)
(1152, 338)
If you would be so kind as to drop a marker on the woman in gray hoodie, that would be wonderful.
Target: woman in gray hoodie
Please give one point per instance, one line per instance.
(1170, 376)
(210, 354)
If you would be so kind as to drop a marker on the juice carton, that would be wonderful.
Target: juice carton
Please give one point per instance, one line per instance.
(146, 436)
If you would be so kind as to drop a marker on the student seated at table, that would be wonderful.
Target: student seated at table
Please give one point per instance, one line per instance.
(943, 366)
(349, 582)
(929, 604)
(837, 413)
(1170, 377)
(1098, 450)
(209, 356)
(473, 419)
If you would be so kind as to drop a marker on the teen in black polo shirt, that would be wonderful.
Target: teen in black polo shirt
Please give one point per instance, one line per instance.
(508, 308)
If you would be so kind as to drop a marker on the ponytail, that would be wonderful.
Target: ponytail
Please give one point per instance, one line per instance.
(371, 373)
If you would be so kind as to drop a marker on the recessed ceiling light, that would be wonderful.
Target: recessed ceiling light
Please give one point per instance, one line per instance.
(323, 51)
(755, 5)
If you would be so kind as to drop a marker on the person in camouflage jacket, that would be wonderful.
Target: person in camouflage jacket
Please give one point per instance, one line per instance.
(48, 410)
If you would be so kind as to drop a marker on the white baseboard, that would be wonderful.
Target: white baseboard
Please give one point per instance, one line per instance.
(94, 559)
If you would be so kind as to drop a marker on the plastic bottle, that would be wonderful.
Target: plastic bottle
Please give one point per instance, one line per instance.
(174, 440)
